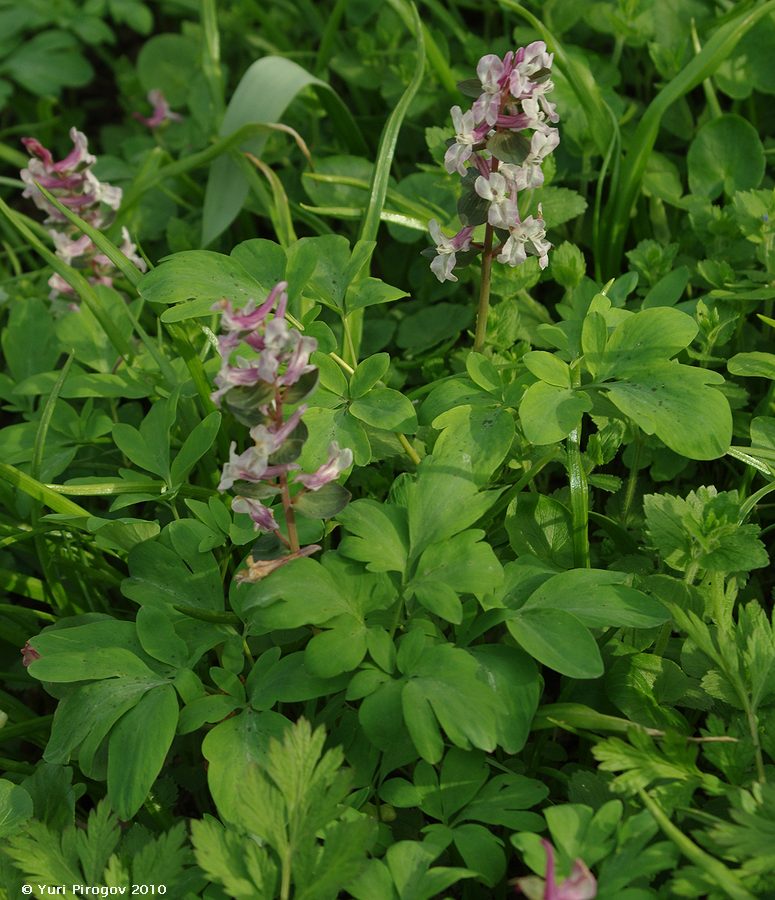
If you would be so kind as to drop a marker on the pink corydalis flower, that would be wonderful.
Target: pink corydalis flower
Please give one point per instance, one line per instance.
(162, 113)
(338, 460)
(29, 655)
(281, 353)
(446, 249)
(75, 186)
(70, 180)
(263, 517)
(579, 885)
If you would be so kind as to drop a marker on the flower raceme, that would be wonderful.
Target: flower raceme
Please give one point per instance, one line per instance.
(265, 368)
(497, 160)
(73, 183)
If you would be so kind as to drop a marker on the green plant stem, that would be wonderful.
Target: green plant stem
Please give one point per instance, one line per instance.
(720, 874)
(632, 479)
(408, 448)
(25, 729)
(484, 291)
(211, 55)
(753, 728)
(579, 491)
(290, 515)
(707, 85)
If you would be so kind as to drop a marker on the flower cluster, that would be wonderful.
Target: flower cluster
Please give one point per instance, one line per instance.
(74, 184)
(162, 112)
(498, 149)
(265, 368)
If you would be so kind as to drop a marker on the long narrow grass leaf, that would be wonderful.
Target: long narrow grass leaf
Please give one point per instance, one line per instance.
(265, 91)
(702, 66)
(33, 488)
(579, 77)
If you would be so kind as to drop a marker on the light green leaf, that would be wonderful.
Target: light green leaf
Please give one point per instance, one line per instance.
(474, 440)
(385, 408)
(232, 748)
(136, 751)
(15, 807)
(548, 367)
(753, 365)
(725, 156)
(370, 292)
(367, 373)
(194, 447)
(549, 414)
(378, 535)
(664, 400)
(558, 640)
(443, 687)
(598, 599)
(201, 275)
(649, 336)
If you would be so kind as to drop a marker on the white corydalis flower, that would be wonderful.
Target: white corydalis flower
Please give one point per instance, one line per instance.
(446, 248)
(499, 192)
(490, 70)
(530, 174)
(466, 135)
(531, 62)
(528, 236)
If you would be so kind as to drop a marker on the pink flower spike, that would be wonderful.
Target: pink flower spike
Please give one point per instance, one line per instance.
(29, 655)
(528, 235)
(497, 190)
(551, 878)
(580, 884)
(262, 516)
(268, 441)
(339, 459)
(279, 293)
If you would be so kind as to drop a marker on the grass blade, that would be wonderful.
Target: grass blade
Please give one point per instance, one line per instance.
(266, 89)
(353, 323)
(40, 492)
(702, 66)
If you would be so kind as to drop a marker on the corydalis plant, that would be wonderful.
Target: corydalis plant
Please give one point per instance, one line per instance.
(265, 370)
(73, 183)
(498, 148)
